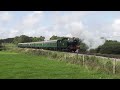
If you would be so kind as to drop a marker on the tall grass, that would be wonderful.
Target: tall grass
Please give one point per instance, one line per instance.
(9, 47)
(89, 62)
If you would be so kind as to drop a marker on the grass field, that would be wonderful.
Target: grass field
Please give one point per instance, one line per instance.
(22, 66)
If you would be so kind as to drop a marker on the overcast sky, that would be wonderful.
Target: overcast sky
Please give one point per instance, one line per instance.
(88, 25)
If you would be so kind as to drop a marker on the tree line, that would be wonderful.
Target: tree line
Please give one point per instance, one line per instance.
(109, 47)
(22, 39)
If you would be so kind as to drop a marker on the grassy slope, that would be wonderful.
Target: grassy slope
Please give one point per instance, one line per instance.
(13, 65)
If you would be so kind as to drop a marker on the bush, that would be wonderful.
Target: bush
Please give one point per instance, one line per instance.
(109, 67)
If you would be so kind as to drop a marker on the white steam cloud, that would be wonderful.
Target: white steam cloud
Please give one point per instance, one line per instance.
(91, 39)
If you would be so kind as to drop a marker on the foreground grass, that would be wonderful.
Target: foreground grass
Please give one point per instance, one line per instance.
(21, 66)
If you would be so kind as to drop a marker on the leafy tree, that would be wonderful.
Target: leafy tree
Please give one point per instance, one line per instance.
(36, 39)
(16, 40)
(22, 39)
(42, 38)
(83, 47)
(109, 47)
(7, 40)
(54, 37)
(57, 37)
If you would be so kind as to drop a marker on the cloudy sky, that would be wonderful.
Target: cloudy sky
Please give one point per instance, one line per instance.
(87, 25)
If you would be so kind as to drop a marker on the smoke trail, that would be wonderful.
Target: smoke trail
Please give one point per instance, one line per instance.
(91, 39)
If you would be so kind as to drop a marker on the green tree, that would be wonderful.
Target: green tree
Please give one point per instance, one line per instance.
(42, 38)
(36, 39)
(109, 47)
(54, 37)
(83, 47)
(22, 39)
(16, 40)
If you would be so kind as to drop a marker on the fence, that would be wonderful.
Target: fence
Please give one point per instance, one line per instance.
(91, 62)
(109, 65)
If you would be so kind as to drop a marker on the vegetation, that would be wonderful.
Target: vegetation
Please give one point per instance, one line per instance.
(83, 47)
(9, 47)
(109, 47)
(35, 39)
(55, 37)
(7, 40)
(22, 66)
(0, 46)
(22, 39)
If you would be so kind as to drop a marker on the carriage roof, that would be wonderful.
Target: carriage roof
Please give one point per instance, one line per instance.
(49, 41)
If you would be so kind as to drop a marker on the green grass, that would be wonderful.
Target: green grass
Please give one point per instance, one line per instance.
(22, 66)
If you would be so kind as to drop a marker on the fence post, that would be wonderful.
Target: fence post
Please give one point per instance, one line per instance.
(83, 60)
(65, 56)
(114, 66)
(77, 53)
